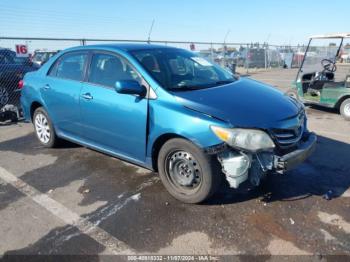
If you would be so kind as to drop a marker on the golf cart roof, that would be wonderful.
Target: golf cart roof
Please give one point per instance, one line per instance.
(336, 35)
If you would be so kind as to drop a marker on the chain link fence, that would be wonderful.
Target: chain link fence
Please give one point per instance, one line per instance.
(240, 58)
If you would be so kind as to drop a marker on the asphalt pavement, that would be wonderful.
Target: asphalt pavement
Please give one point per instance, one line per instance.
(73, 200)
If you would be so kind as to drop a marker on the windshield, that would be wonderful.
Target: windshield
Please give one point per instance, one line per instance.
(177, 69)
(320, 49)
(40, 57)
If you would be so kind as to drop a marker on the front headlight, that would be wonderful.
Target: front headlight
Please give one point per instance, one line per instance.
(248, 139)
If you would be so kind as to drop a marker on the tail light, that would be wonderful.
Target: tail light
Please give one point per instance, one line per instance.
(20, 84)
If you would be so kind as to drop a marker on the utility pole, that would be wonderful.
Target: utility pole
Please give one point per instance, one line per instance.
(224, 47)
(150, 32)
(266, 51)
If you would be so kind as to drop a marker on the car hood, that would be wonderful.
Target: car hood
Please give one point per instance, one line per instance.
(243, 103)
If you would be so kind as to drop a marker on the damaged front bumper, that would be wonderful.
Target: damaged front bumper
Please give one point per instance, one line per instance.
(294, 158)
(240, 166)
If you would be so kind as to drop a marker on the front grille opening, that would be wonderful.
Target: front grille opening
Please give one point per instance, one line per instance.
(288, 137)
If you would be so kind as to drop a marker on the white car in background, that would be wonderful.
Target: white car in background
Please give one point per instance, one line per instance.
(40, 57)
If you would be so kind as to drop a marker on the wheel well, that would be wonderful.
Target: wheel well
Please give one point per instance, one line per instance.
(157, 145)
(341, 100)
(33, 107)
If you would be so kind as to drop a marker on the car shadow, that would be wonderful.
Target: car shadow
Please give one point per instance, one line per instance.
(65, 144)
(325, 172)
(323, 109)
(9, 122)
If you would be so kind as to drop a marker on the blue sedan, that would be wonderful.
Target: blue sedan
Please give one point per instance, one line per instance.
(168, 110)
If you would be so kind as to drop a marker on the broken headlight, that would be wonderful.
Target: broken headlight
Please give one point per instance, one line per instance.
(245, 139)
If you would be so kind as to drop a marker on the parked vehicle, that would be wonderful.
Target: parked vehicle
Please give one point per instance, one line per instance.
(40, 57)
(318, 81)
(298, 58)
(170, 111)
(256, 57)
(12, 70)
(286, 55)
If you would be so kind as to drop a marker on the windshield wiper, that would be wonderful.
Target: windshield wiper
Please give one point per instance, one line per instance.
(223, 82)
(184, 88)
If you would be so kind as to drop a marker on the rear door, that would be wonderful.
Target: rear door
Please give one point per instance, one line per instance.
(61, 92)
(112, 121)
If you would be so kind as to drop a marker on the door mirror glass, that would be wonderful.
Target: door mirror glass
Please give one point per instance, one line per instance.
(130, 87)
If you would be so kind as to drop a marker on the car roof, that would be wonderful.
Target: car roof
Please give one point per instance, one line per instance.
(7, 51)
(45, 51)
(122, 46)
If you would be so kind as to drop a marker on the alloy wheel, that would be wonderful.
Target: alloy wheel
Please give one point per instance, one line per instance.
(42, 128)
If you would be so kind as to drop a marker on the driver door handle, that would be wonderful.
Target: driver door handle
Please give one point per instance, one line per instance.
(87, 96)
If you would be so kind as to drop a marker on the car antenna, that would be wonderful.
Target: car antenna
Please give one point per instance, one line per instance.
(150, 32)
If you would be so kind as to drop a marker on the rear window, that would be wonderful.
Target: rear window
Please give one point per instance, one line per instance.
(8, 57)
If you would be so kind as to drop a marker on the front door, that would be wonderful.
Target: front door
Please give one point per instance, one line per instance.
(111, 121)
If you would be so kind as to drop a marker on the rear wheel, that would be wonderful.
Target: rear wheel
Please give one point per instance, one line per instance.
(345, 109)
(189, 174)
(44, 129)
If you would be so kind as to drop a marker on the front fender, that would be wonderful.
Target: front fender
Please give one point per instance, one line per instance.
(174, 119)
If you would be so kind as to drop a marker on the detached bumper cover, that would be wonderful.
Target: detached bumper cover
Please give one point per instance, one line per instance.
(291, 160)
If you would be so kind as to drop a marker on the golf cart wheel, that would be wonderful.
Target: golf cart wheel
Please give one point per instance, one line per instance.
(189, 174)
(345, 109)
(293, 93)
(4, 96)
(44, 129)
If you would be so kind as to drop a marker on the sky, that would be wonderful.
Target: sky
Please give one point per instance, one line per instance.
(275, 21)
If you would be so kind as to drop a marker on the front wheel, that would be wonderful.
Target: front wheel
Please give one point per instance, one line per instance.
(345, 109)
(189, 174)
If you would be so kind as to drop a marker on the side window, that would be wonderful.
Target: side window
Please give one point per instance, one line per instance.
(53, 69)
(179, 66)
(107, 69)
(70, 66)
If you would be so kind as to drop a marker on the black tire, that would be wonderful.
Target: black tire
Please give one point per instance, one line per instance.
(4, 96)
(345, 109)
(210, 174)
(53, 140)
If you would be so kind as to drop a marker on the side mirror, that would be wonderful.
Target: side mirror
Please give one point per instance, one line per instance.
(130, 87)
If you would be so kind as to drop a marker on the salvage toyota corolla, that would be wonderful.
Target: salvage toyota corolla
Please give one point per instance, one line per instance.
(168, 110)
